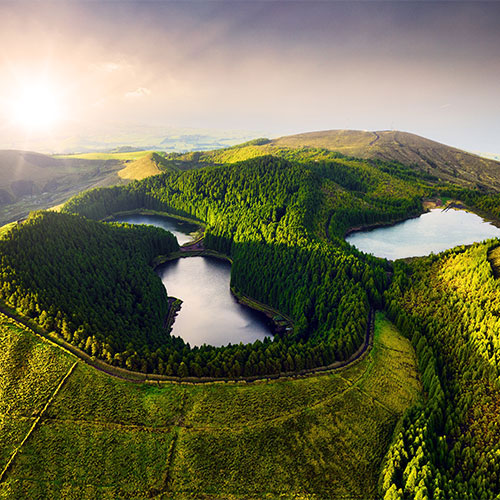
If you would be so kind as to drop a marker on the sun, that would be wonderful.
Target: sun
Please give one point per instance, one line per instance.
(37, 106)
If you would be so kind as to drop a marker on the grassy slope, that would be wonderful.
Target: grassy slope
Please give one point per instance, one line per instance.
(319, 437)
(445, 162)
(384, 184)
(46, 181)
(31, 181)
(46, 172)
(380, 184)
(151, 164)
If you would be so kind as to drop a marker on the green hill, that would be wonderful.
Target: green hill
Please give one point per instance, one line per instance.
(143, 425)
(91, 436)
(275, 219)
(32, 181)
(446, 163)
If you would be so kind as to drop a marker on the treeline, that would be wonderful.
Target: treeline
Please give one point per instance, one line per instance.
(489, 204)
(449, 306)
(262, 213)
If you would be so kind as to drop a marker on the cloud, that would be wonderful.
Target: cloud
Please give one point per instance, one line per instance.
(111, 66)
(139, 92)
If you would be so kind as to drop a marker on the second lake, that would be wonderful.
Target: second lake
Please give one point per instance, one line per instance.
(434, 231)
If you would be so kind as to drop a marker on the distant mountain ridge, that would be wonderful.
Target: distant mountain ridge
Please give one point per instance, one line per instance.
(445, 162)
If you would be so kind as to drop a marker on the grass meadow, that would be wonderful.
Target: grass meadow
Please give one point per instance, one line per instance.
(99, 437)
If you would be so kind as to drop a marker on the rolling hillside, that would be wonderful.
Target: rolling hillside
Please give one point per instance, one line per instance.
(397, 423)
(33, 181)
(71, 432)
(150, 164)
(30, 181)
(426, 157)
(446, 162)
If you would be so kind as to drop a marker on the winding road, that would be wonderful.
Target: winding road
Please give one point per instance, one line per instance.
(132, 376)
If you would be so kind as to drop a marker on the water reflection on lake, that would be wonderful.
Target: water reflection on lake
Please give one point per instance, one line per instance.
(180, 229)
(209, 314)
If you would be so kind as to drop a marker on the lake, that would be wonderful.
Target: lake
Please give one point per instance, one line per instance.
(210, 314)
(180, 229)
(434, 231)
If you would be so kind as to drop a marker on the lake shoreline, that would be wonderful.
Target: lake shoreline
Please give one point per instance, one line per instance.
(377, 225)
(442, 228)
(427, 205)
(147, 211)
(280, 323)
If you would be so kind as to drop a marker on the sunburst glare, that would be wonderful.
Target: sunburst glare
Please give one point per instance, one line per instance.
(37, 106)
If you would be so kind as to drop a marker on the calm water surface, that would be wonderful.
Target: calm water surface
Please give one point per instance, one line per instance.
(434, 231)
(209, 314)
(182, 230)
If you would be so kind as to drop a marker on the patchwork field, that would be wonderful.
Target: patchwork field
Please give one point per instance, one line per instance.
(93, 436)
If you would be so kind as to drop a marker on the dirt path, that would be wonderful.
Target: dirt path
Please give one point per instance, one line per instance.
(377, 137)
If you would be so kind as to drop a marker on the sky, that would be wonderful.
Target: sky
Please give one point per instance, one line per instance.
(266, 67)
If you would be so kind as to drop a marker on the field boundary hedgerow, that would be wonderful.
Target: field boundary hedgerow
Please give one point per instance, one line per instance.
(37, 420)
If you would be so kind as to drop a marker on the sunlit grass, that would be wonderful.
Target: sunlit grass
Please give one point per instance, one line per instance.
(133, 155)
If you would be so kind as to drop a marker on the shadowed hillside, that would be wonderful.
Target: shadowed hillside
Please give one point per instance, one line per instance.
(29, 181)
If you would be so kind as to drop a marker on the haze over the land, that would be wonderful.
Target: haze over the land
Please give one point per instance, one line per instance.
(105, 69)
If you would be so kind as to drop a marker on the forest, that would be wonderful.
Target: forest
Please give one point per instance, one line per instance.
(448, 306)
(267, 214)
(262, 214)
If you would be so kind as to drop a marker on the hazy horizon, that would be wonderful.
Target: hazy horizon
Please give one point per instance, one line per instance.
(258, 68)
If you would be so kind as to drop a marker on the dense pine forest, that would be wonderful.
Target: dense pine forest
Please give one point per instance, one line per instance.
(91, 283)
(281, 219)
(448, 305)
(263, 215)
